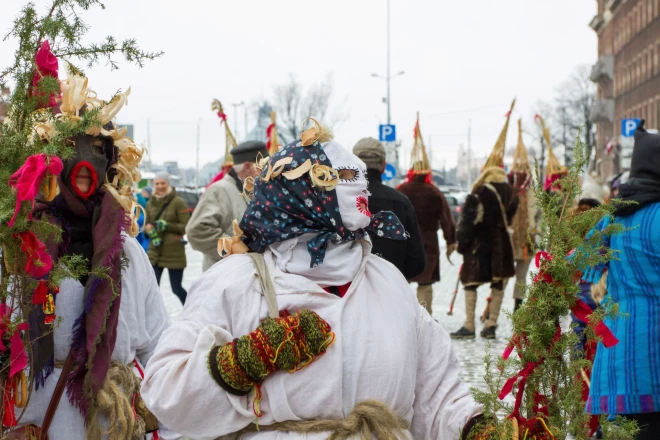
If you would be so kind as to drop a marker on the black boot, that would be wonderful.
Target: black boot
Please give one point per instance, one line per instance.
(462, 333)
(488, 333)
(517, 305)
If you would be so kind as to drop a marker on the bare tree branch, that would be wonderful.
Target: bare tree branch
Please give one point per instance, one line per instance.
(294, 104)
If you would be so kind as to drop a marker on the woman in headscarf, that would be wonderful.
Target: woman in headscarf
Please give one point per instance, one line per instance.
(364, 357)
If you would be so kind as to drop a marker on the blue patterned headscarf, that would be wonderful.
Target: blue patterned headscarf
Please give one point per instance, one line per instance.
(283, 208)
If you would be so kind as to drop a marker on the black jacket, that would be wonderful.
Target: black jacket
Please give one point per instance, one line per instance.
(407, 255)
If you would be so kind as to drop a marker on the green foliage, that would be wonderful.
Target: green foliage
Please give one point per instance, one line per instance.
(535, 324)
(62, 25)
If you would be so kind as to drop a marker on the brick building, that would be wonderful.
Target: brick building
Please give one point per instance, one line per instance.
(627, 74)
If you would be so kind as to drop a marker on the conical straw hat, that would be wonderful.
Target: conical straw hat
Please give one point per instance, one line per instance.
(496, 158)
(553, 167)
(419, 161)
(230, 141)
(520, 158)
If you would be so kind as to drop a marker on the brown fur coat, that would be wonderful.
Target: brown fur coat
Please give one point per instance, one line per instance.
(482, 234)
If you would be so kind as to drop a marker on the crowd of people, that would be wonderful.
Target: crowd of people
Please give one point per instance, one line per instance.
(308, 260)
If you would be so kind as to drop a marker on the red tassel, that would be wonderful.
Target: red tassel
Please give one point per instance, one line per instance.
(8, 410)
(39, 295)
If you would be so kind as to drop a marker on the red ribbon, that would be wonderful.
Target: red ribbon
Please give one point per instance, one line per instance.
(9, 415)
(40, 293)
(39, 262)
(583, 312)
(223, 117)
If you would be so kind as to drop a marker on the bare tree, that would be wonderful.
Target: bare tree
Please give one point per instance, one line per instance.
(575, 99)
(294, 104)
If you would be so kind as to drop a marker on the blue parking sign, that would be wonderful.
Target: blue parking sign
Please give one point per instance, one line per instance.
(387, 133)
(629, 126)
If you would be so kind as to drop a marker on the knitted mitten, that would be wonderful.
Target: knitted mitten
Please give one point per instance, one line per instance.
(156, 239)
(290, 343)
(161, 225)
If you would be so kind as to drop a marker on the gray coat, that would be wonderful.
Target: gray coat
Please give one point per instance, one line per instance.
(220, 204)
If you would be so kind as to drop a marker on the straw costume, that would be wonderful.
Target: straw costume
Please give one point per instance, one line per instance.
(309, 335)
(527, 218)
(484, 238)
(553, 170)
(110, 318)
(433, 213)
(230, 142)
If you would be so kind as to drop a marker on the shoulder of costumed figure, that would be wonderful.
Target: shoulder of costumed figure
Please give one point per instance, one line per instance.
(76, 99)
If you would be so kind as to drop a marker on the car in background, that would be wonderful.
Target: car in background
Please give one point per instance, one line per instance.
(455, 206)
(190, 195)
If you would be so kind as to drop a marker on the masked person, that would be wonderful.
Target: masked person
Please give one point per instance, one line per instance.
(112, 316)
(433, 213)
(222, 202)
(484, 239)
(527, 219)
(341, 322)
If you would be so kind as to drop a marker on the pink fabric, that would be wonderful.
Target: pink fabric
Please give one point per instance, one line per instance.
(27, 180)
(47, 65)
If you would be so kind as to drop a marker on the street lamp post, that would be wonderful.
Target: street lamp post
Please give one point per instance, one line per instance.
(388, 77)
(236, 105)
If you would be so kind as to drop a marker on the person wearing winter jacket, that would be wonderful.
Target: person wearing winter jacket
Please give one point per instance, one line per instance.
(625, 378)
(484, 241)
(166, 218)
(407, 255)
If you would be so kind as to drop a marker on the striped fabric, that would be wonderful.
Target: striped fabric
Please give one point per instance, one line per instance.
(626, 378)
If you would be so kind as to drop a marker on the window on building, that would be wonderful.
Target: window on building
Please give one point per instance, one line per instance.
(642, 61)
(655, 61)
(642, 16)
(649, 11)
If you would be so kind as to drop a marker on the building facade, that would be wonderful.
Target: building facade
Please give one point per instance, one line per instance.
(627, 75)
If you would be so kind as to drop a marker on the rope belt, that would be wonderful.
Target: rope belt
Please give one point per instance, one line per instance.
(368, 419)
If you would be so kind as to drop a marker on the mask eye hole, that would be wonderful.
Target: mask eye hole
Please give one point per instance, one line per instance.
(348, 174)
(98, 146)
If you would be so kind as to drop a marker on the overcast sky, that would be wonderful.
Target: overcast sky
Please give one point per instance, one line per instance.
(462, 59)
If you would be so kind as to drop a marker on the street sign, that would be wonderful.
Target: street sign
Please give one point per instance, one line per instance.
(387, 132)
(389, 172)
(629, 126)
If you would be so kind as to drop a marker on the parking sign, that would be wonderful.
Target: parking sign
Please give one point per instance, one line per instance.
(389, 173)
(629, 126)
(387, 133)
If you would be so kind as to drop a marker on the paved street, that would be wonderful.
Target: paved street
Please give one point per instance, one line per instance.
(470, 353)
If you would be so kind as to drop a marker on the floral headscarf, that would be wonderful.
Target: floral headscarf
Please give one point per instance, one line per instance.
(295, 195)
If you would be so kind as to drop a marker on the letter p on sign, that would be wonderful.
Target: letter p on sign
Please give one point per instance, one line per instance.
(629, 126)
(387, 133)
